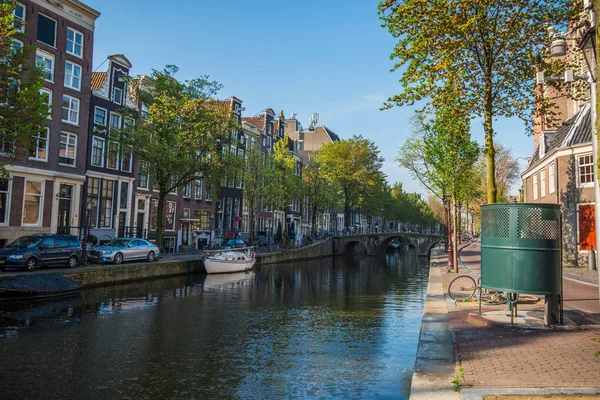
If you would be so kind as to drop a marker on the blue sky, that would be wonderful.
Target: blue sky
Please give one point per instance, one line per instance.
(330, 57)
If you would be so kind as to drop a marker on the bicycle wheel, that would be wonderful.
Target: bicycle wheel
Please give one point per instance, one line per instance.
(462, 288)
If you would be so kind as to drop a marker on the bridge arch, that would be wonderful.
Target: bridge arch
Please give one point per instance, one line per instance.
(355, 246)
(383, 245)
(376, 243)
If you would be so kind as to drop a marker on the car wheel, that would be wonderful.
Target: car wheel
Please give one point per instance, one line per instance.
(118, 258)
(31, 264)
(151, 256)
(73, 261)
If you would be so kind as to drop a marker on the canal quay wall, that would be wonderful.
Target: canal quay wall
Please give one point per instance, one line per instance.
(435, 366)
(315, 250)
(107, 274)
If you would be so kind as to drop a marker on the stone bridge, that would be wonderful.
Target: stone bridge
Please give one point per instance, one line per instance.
(376, 243)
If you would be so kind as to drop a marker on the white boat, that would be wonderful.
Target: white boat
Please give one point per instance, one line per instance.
(231, 260)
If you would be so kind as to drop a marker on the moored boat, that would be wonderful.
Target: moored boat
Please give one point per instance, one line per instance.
(38, 286)
(230, 260)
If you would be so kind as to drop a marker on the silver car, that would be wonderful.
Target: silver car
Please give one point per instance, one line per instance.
(119, 250)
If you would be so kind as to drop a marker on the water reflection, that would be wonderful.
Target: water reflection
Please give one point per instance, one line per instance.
(341, 328)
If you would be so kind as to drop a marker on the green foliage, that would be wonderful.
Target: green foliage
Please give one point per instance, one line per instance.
(284, 186)
(353, 167)
(480, 52)
(318, 191)
(183, 136)
(23, 110)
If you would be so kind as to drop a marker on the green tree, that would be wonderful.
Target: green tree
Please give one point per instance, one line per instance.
(483, 47)
(353, 168)
(182, 135)
(257, 175)
(23, 110)
(318, 190)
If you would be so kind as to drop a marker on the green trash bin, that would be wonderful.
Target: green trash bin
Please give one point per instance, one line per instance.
(520, 248)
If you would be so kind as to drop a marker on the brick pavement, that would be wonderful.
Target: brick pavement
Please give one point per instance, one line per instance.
(513, 358)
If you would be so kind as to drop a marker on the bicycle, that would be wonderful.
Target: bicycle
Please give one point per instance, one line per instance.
(464, 287)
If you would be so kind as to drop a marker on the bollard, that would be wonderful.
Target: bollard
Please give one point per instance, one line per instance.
(592, 260)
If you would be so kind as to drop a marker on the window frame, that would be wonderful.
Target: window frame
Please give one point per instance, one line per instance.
(187, 190)
(74, 158)
(198, 185)
(49, 93)
(114, 97)
(46, 56)
(551, 178)
(117, 159)
(104, 200)
(117, 115)
(102, 155)
(130, 154)
(72, 76)
(20, 29)
(96, 108)
(70, 98)
(174, 223)
(535, 186)
(543, 182)
(36, 138)
(147, 175)
(589, 165)
(40, 204)
(55, 30)
(75, 32)
(6, 192)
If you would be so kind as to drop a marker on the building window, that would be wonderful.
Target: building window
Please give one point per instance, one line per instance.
(543, 179)
(68, 149)
(46, 62)
(93, 192)
(47, 93)
(173, 184)
(39, 149)
(19, 14)
(4, 196)
(106, 204)
(535, 187)
(17, 45)
(112, 160)
(208, 193)
(70, 110)
(100, 116)
(32, 202)
(551, 183)
(268, 142)
(204, 219)
(97, 152)
(118, 95)
(143, 175)
(115, 121)
(170, 222)
(129, 124)
(74, 42)
(123, 195)
(46, 32)
(586, 169)
(126, 158)
(198, 190)
(72, 75)
(187, 190)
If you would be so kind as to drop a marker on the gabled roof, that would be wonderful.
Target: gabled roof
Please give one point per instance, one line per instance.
(576, 130)
(258, 122)
(98, 79)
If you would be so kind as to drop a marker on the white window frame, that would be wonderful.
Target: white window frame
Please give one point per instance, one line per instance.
(551, 178)
(198, 185)
(130, 153)
(22, 27)
(114, 97)
(117, 159)
(36, 138)
(71, 100)
(71, 77)
(98, 139)
(55, 31)
(174, 226)
(49, 57)
(119, 116)
(75, 33)
(535, 186)
(49, 93)
(41, 203)
(74, 158)
(20, 44)
(8, 191)
(543, 182)
(147, 175)
(105, 116)
(579, 165)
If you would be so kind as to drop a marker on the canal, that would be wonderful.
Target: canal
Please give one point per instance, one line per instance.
(329, 328)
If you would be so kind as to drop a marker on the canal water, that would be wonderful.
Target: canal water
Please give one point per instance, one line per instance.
(330, 328)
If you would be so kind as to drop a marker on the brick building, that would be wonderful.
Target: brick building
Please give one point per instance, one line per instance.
(45, 190)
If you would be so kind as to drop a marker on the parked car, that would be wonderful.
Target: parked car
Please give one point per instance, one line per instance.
(119, 250)
(234, 243)
(31, 252)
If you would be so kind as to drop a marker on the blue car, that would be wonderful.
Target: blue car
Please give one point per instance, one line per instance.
(31, 252)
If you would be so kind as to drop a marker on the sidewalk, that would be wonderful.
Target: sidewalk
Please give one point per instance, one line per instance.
(520, 358)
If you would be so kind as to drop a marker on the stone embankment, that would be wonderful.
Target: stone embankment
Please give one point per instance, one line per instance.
(315, 250)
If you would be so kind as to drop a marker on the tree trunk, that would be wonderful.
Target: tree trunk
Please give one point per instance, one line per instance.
(160, 219)
(455, 232)
(459, 225)
(346, 216)
(251, 222)
(449, 247)
(314, 222)
(490, 152)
